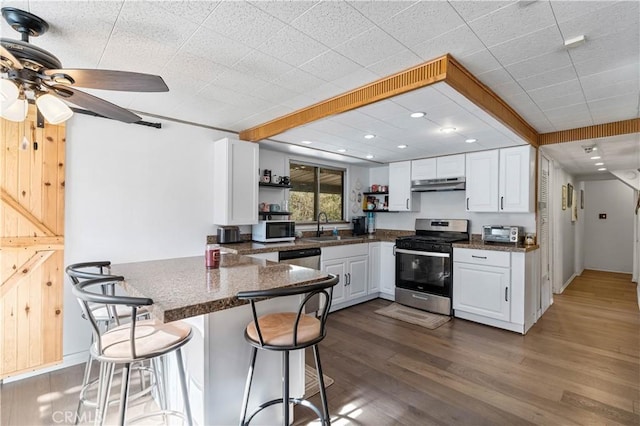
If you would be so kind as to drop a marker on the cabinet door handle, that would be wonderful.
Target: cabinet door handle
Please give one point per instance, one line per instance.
(407, 204)
(349, 275)
(346, 280)
(394, 250)
(506, 294)
(501, 203)
(467, 203)
(478, 257)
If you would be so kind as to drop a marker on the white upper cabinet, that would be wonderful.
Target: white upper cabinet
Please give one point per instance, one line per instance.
(501, 180)
(517, 179)
(423, 169)
(235, 185)
(401, 199)
(450, 166)
(482, 181)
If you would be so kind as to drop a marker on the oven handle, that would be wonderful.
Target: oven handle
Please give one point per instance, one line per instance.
(423, 253)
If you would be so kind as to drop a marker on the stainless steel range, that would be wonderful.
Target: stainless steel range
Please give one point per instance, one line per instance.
(424, 264)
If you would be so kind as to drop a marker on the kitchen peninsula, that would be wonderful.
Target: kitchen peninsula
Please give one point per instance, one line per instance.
(217, 357)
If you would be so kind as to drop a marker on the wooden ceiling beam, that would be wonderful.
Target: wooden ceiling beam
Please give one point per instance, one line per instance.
(591, 132)
(473, 89)
(449, 70)
(385, 88)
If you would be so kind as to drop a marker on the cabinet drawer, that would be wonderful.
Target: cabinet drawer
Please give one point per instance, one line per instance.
(482, 257)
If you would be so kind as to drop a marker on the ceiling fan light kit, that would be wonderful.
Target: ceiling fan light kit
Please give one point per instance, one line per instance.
(9, 92)
(31, 73)
(53, 109)
(15, 111)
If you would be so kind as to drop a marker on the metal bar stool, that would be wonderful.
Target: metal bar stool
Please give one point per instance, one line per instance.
(285, 332)
(105, 317)
(129, 343)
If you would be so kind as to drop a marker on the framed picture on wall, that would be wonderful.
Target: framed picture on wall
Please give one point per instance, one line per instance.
(569, 195)
(564, 197)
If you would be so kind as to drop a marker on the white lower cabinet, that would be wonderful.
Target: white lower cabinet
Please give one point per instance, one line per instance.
(350, 262)
(482, 290)
(496, 288)
(374, 268)
(387, 271)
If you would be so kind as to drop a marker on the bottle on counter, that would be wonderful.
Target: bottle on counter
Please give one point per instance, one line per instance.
(212, 256)
(371, 223)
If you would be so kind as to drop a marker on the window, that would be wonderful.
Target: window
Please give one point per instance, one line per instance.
(316, 189)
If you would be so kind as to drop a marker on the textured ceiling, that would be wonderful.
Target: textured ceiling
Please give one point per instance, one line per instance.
(236, 64)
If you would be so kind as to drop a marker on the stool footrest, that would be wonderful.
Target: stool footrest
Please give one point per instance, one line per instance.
(296, 401)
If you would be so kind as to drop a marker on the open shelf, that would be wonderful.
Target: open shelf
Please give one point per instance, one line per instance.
(274, 185)
(265, 214)
(376, 193)
(376, 210)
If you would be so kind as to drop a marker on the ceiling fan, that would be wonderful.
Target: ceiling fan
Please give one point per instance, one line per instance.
(29, 73)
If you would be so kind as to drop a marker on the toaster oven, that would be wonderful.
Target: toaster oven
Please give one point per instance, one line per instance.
(502, 234)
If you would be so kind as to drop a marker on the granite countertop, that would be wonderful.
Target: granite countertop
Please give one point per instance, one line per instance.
(184, 287)
(252, 247)
(480, 245)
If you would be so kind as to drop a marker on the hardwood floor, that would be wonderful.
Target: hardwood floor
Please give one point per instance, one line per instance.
(580, 364)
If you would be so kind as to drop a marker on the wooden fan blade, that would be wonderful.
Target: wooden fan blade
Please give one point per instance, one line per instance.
(93, 103)
(8, 55)
(109, 80)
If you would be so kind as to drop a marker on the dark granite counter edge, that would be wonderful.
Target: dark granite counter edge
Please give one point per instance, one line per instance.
(209, 307)
(479, 245)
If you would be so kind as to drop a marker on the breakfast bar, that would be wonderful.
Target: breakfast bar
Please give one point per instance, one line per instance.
(217, 357)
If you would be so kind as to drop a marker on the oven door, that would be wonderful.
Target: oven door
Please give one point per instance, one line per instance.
(427, 272)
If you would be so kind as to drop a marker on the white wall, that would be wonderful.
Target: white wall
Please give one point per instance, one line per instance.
(133, 193)
(609, 242)
(445, 205)
(564, 251)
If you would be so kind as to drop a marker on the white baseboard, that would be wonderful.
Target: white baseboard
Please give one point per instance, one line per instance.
(67, 361)
(566, 284)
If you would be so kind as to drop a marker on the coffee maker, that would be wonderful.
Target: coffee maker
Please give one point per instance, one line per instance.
(359, 225)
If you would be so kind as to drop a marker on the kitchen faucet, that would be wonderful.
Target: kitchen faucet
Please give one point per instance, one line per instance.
(326, 220)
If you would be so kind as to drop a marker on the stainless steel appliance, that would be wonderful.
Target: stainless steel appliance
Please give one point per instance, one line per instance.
(228, 234)
(502, 234)
(309, 258)
(269, 231)
(359, 225)
(424, 264)
(445, 184)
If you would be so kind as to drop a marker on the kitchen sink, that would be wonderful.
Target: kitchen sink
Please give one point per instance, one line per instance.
(331, 238)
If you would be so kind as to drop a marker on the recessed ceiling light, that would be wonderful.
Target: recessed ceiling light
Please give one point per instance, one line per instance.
(575, 41)
(595, 148)
(417, 114)
(402, 146)
(448, 129)
(599, 164)
(307, 142)
(369, 136)
(602, 168)
(342, 150)
(595, 158)
(369, 157)
(471, 140)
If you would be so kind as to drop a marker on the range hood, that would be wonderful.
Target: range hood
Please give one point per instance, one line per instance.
(429, 185)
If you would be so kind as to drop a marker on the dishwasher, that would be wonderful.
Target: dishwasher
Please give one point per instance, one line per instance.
(308, 258)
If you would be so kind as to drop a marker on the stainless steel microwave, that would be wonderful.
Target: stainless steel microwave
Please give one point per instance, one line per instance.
(502, 234)
(271, 231)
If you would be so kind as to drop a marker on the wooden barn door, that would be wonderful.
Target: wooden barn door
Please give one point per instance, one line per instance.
(31, 249)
